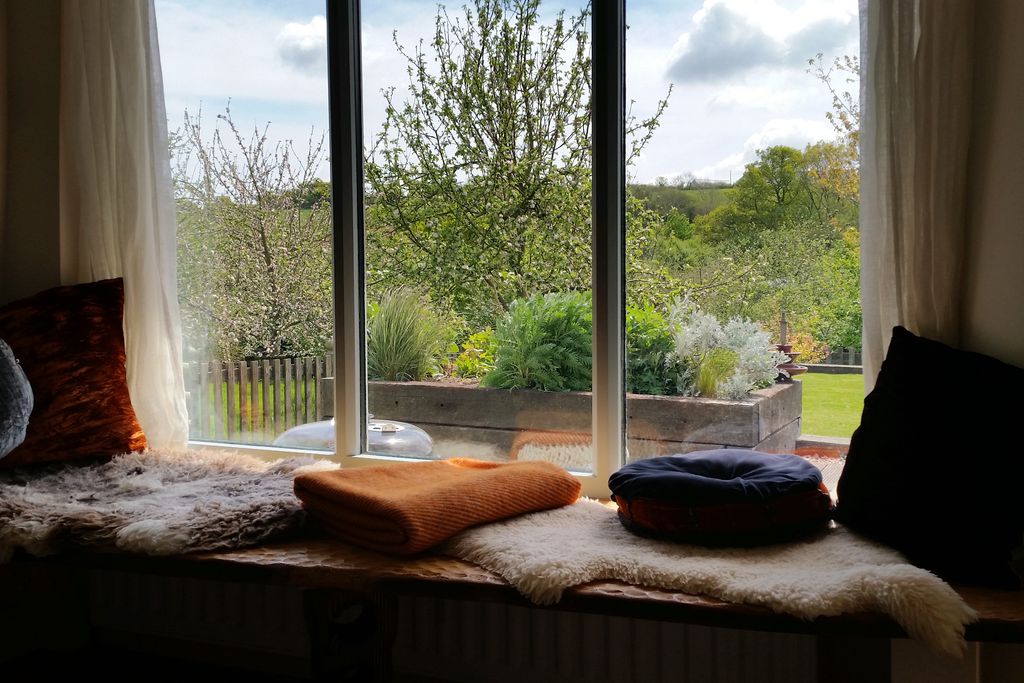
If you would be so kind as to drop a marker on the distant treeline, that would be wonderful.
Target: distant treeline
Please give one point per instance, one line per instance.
(693, 199)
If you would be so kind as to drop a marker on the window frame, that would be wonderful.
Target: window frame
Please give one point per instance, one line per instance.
(345, 104)
(608, 214)
(608, 421)
(608, 198)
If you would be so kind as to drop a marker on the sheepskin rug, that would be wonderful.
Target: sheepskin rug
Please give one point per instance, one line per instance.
(544, 553)
(159, 502)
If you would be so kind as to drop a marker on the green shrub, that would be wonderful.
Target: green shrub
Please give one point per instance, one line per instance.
(544, 343)
(651, 366)
(405, 338)
(477, 356)
(810, 349)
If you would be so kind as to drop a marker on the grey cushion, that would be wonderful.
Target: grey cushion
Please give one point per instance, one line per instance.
(15, 401)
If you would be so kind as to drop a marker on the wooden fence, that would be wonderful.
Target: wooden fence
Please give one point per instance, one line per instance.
(844, 356)
(255, 401)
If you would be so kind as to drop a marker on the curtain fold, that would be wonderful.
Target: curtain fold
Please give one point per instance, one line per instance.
(916, 58)
(117, 208)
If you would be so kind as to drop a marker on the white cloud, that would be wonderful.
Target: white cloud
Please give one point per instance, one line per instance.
(794, 132)
(824, 35)
(722, 44)
(708, 121)
(211, 53)
(769, 95)
(730, 168)
(244, 51)
(730, 38)
(303, 47)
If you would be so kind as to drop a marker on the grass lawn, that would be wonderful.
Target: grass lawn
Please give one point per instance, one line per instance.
(832, 403)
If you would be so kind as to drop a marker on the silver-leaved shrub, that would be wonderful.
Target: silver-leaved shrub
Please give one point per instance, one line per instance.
(698, 335)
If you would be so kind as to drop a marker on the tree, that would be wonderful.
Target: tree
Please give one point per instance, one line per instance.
(845, 114)
(832, 182)
(784, 187)
(478, 183)
(313, 193)
(254, 244)
(785, 243)
(770, 182)
(835, 314)
(841, 173)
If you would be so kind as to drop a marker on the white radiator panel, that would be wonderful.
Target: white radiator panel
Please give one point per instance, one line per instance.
(473, 641)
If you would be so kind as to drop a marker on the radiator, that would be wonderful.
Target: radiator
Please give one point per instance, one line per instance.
(461, 640)
(455, 640)
(224, 614)
(275, 628)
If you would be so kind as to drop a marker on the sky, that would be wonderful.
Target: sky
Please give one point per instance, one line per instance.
(738, 70)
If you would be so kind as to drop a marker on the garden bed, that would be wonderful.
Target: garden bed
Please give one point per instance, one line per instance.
(481, 422)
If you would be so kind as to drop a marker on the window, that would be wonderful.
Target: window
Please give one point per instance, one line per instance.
(477, 228)
(566, 174)
(741, 221)
(504, 218)
(246, 90)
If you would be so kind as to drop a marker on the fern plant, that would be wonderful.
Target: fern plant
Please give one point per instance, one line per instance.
(544, 343)
(405, 338)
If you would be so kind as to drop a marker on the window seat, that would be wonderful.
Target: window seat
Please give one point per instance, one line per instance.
(317, 563)
(138, 604)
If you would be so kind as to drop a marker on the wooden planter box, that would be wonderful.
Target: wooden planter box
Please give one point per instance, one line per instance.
(479, 422)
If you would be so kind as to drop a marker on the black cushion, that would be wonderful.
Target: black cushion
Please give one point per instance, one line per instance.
(15, 401)
(936, 465)
(722, 497)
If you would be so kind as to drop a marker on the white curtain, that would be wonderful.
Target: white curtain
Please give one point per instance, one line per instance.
(117, 209)
(916, 60)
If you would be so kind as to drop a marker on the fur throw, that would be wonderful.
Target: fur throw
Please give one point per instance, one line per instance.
(158, 502)
(837, 572)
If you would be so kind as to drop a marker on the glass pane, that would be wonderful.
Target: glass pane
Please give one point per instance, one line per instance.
(478, 238)
(742, 218)
(246, 89)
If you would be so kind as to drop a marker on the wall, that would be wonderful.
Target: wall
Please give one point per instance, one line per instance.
(995, 293)
(29, 254)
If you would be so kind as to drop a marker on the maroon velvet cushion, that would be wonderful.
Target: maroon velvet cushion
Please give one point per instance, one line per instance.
(70, 343)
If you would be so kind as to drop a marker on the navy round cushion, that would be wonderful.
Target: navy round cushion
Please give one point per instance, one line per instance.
(722, 497)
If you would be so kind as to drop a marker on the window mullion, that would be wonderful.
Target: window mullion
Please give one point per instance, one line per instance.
(608, 196)
(345, 87)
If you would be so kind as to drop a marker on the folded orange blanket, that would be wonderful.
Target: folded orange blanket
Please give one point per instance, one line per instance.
(406, 508)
